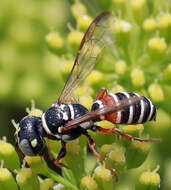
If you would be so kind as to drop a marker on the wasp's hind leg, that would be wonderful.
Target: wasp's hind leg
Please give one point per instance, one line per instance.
(92, 146)
(126, 136)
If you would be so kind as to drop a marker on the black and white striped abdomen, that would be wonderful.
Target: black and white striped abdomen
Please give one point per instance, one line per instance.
(141, 112)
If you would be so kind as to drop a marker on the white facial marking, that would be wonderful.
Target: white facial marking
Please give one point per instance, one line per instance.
(34, 142)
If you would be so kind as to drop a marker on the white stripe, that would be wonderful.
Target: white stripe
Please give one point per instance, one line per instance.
(130, 109)
(45, 125)
(118, 120)
(142, 109)
(151, 110)
(100, 103)
(71, 110)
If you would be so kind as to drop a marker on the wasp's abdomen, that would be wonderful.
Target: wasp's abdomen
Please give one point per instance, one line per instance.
(140, 112)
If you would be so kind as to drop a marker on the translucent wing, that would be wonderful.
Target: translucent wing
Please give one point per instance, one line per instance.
(97, 37)
(101, 111)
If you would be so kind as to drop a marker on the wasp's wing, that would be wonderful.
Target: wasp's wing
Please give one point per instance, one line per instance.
(101, 111)
(97, 37)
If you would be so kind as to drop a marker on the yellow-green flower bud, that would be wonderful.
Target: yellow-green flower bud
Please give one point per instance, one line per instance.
(120, 67)
(37, 164)
(94, 77)
(141, 146)
(75, 37)
(164, 21)
(84, 21)
(105, 124)
(78, 9)
(149, 24)
(138, 78)
(121, 26)
(139, 9)
(157, 47)
(47, 184)
(34, 111)
(88, 183)
(150, 180)
(6, 180)
(104, 178)
(9, 155)
(103, 173)
(117, 155)
(27, 180)
(156, 92)
(54, 41)
(133, 129)
(86, 101)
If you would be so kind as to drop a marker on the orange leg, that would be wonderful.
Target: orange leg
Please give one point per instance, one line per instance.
(100, 95)
(60, 155)
(126, 136)
(93, 148)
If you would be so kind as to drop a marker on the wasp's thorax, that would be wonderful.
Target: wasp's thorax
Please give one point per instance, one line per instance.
(30, 136)
(59, 115)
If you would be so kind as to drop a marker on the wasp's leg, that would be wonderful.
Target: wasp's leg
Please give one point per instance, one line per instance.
(92, 146)
(126, 136)
(73, 101)
(61, 154)
(100, 95)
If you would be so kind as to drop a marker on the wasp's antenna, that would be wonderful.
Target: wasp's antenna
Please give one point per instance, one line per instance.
(16, 125)
(28, 110)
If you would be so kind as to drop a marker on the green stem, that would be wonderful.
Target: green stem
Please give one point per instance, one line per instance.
(61, 180)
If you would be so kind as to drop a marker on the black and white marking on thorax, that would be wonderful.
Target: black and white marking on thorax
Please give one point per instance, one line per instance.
(59, 115)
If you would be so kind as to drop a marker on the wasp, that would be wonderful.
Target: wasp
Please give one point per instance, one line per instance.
(67, 120)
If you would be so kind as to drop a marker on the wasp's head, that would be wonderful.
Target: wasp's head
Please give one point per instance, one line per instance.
(29, 136)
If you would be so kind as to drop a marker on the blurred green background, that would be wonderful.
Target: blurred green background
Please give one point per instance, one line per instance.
(31, 65)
